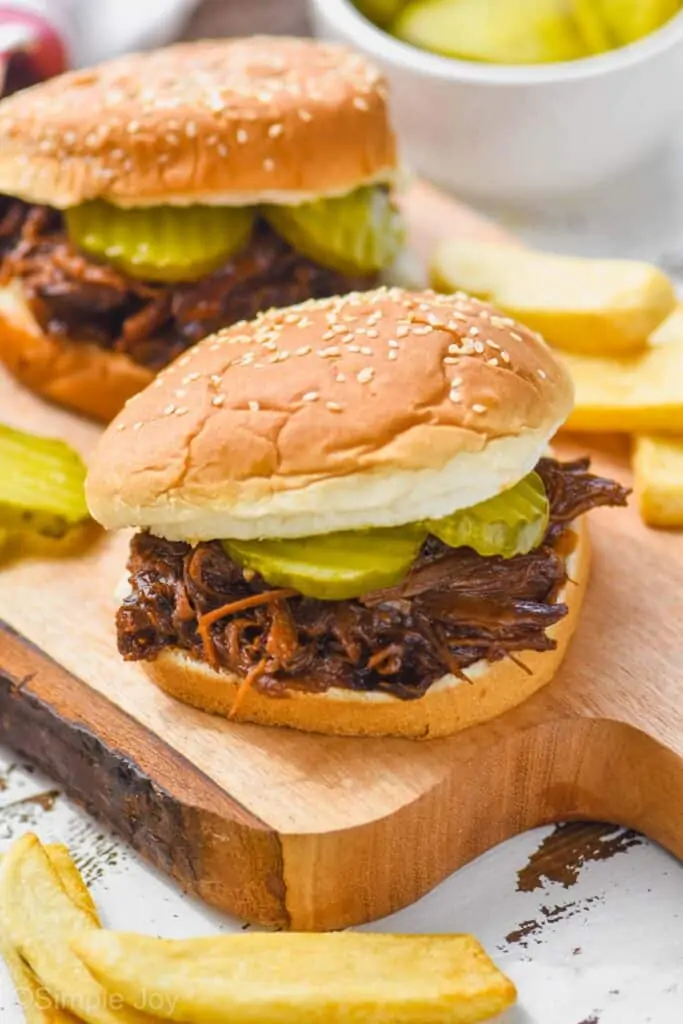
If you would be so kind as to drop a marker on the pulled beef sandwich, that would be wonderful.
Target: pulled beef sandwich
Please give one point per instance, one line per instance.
(347, 520)
(155, 199)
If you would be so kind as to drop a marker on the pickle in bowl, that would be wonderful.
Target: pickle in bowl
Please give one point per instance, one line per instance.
(41, 485)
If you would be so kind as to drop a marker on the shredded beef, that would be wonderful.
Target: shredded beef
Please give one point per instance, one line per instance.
(454, 608)
(75, 297)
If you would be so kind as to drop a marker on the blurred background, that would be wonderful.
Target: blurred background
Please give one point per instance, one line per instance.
(576, 155)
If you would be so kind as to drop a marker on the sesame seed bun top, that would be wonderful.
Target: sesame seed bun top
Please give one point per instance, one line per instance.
(229, 122)
(374, 409)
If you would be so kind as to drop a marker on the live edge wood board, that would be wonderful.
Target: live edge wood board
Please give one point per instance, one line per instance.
(307, 832)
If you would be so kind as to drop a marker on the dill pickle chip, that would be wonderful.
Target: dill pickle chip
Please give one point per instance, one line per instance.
(592, 27)
(629, 20)
(496, 31)
(161, 243)
(360, 233)
(512, 523)
(41, 484)
(334, 566)
(382, 12)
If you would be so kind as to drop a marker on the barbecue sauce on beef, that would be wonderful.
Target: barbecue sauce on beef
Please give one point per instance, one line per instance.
(74, 297)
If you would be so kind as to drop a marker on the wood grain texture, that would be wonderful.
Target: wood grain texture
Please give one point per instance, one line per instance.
(320, 832)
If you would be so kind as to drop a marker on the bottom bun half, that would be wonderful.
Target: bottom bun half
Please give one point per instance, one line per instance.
(75, 374)
(448, 706)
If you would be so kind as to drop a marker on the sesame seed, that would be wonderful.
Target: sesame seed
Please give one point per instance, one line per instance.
(191, 129)
(305, 115)
(216, 378)
(516, 336)
(218, 400)
(137, 426)
(268, 164)
(329, 352)
(505, 356)
(423, 329)
(354, 348)
(310, 396)
(542, 374)
(254, 406)
(303, 351)
(169, 410)
(392, 343)
(448, 360)
(180, 393)
(242, 136)
(455, 396)
(492, 344)
(181, 411)
(360, 104)
(340, 378)
(454, 350)
(120, 427)
(492, 362)
(479, 347)
(333, 406)
(372, 333)
(393, 354)
(474, 331)
(366, 351)
(365, 375)
(275, 130)
(477, 407)
(348, 338)
(222, 150)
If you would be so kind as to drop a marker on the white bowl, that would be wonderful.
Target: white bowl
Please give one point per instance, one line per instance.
(522, 133)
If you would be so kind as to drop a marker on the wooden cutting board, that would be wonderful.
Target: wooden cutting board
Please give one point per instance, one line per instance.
(313, 832)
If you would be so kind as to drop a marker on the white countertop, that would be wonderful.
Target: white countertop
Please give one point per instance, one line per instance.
(607, 949)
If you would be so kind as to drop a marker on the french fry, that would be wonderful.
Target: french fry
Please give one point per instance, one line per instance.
(39, 919)
(36, 1002)
(633, 394)
(671, 330)
(337, 978)
(594, 307)
(658, 479)
(71, 880)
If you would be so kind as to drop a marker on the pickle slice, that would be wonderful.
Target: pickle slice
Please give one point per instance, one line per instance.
(592, 28)
(360, 233)
(382, 12)
(334, 566)
(629, 20)
(161, 243)
(41, 484)
(512, 523)
(496, 31)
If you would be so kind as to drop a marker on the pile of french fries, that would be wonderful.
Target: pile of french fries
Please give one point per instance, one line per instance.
(618, 329)
(67, 968)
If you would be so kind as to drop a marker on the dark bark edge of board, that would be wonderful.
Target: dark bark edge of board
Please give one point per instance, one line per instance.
(168, 811)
